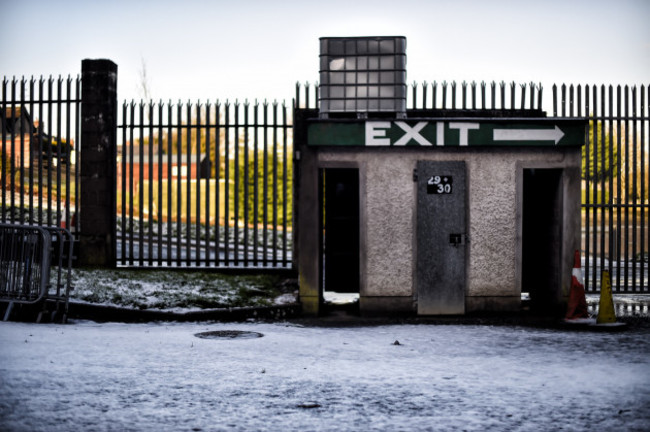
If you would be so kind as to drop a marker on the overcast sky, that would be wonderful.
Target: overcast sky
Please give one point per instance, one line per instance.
(254, 49)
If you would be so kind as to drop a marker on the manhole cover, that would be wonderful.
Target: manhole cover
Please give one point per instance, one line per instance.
(229, 334)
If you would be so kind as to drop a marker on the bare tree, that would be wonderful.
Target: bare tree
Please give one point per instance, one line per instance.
(144, 84)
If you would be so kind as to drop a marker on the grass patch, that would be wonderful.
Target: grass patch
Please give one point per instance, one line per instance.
(165, 290)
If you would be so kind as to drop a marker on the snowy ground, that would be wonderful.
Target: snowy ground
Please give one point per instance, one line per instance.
(177, 290)
(160, 377)
(195, 290)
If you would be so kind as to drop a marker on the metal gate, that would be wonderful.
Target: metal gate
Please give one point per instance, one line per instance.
(204, 185)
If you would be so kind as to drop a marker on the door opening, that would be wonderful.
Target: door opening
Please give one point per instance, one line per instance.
(541, 237)
(340, 238)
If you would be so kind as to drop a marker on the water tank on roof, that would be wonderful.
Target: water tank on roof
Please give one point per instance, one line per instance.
(362, 75)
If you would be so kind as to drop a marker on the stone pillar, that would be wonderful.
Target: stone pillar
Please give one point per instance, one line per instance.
(98, 159)
(306, 217)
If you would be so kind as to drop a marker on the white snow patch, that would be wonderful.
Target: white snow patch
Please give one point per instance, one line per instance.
(174, 291)
(285, 299)
(151, 377)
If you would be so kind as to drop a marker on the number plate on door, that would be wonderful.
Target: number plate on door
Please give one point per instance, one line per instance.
(440, 185)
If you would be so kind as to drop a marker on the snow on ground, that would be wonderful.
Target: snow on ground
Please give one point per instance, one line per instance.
(160, 377)
(177, 290)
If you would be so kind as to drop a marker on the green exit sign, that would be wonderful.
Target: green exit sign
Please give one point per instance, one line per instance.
(449, 133)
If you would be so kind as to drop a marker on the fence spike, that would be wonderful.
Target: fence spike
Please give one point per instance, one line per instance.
(464, 94)
(531, 87)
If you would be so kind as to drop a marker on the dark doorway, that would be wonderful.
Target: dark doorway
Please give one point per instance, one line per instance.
(542, 236)
(340, 230)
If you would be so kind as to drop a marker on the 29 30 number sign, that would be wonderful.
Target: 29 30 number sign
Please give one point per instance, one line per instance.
(440, 185)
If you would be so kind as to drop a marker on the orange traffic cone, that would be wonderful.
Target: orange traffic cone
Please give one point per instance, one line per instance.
(577, 308)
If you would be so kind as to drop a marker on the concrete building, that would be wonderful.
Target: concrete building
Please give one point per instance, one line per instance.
(430, 212)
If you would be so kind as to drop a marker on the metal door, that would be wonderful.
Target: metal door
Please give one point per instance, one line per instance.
(441, 237)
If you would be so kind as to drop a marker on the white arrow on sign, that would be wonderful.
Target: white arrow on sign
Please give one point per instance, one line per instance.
(528, 134)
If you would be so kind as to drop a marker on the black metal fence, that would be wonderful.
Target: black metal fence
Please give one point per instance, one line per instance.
(204, 185)
(210, 185)
(485, 96)
(615, 233)
(40, 151)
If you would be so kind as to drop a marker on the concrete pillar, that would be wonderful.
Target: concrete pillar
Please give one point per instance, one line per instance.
(306, 216)
(98, 159)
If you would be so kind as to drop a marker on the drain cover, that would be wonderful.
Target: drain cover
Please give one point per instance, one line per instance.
(229, 334)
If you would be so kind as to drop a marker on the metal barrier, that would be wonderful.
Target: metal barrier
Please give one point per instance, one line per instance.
(27, 256)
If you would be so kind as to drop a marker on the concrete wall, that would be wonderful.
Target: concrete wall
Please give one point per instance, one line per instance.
(388, 215)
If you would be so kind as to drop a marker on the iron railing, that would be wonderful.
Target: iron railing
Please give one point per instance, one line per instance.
(168, 218)
(40, 131)
(473, 96)
(204, 185)
(615, 233)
